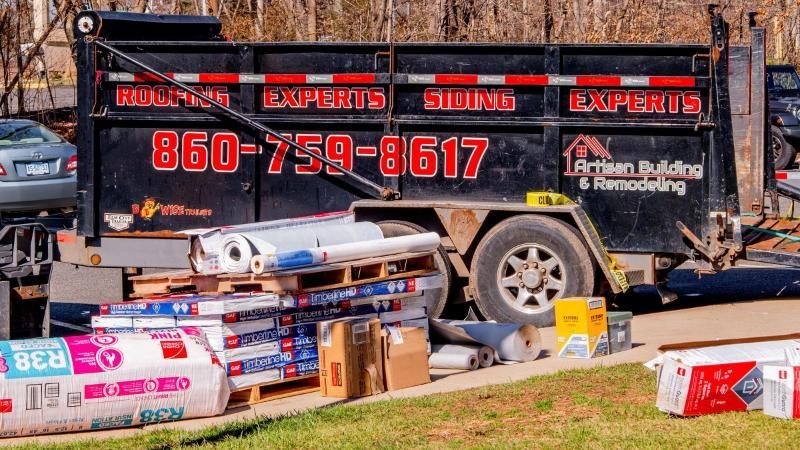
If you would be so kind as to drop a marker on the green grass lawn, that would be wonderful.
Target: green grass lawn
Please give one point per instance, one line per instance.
(598, 408)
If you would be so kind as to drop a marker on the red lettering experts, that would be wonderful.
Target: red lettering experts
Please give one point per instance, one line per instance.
(305, 97)
(634, 101)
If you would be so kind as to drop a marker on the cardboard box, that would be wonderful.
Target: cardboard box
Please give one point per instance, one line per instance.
(718, 376)
(405, 357)
(350, 363)
(581, 327)
(782, 391)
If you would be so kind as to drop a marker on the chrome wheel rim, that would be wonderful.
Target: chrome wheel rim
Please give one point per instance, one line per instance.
(530, 277)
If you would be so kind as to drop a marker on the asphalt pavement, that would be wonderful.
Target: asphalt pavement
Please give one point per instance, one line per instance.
(38, 99)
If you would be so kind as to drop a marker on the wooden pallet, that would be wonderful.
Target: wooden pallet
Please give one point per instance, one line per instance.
(274, 390)
(307, 279)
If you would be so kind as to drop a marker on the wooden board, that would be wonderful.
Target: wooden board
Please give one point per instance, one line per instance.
(273, 391)
(309, 279)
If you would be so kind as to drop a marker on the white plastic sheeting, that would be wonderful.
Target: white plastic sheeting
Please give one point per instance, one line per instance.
(107, 381)
(510, 342)
(345, 252)
(207, 242)
(237, 249)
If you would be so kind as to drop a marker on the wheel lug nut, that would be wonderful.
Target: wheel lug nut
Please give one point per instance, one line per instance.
(525, 266)
(521, 284)
(542, 270)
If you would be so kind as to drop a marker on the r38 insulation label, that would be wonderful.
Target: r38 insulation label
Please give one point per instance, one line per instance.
(418, 156)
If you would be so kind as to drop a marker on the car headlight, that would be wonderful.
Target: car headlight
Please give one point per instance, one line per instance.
(797, 113)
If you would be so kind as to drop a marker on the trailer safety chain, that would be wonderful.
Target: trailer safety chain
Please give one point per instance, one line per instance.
(536, 198)
(356, 180)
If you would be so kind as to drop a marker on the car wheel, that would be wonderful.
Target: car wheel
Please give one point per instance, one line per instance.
(782, 151)
(437, 299)
(524, 264)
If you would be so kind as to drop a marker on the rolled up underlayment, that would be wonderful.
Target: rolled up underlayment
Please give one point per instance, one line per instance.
(484, 355)
(239, 248)
(206, 243)
(510, 342)
(445, 358)
(345, 252)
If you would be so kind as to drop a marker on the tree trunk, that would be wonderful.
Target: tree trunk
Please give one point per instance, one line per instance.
(259, 19)
(20, 67)
(311, 19)
(548, 22)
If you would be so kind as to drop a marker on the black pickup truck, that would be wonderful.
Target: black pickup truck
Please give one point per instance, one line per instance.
(784, 107)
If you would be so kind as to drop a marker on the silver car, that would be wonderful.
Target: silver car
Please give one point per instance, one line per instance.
(37, 167)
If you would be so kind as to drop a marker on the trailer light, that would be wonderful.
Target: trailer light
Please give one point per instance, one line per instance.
(72, 164)
(95, 259)
(2, 171)
(779, 121)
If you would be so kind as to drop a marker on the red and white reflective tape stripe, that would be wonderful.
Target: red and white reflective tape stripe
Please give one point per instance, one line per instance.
(787, 175)
(553, 80)
(443, 79)
(256, 78)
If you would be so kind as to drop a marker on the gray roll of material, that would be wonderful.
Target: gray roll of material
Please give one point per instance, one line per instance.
(484, 353)
(510, 342)
(459, 360)
(485, 356)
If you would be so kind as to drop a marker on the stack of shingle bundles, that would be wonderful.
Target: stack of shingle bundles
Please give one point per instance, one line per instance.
(264, 337)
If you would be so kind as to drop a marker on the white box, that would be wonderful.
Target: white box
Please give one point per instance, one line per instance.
(782, 391)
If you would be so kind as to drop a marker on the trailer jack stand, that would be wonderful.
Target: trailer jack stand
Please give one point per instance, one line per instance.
(667, 295)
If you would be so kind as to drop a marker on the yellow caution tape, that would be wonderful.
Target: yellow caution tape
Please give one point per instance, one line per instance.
(550, 199)
(547, 199)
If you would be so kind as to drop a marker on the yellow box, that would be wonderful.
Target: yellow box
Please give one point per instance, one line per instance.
(581, 328)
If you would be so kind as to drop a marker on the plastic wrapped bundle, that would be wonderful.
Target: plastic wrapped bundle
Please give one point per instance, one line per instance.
(108, 381)
(206, 243)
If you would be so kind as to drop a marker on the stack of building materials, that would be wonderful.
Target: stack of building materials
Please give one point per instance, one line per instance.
(268, 336)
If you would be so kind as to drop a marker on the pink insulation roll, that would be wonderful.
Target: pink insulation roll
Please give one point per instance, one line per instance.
(107, 381)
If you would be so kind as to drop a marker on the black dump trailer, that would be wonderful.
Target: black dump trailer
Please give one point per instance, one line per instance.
(548, 170)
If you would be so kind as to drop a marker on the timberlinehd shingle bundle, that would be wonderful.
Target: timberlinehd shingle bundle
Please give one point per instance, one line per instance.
(264, 337)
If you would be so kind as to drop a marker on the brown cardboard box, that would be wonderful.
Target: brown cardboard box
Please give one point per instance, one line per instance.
(350, 357)
(405, 357)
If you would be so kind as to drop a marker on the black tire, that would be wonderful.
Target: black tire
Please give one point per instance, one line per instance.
(783, 152)
(436, 300)
(561, 259)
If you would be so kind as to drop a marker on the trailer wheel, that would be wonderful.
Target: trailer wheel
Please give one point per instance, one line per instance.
(437, 300)
(524, 264)
(782, 151)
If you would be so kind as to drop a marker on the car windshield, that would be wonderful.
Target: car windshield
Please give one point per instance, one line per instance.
(783, 80)
(16, 133)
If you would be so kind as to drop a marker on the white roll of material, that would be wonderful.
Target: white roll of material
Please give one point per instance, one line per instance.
(484, 353)
(206, 248)
(510, 342)
(238, 249)
(345, 252)
(453, 360)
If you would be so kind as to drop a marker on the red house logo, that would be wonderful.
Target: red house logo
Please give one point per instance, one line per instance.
(582, 146)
